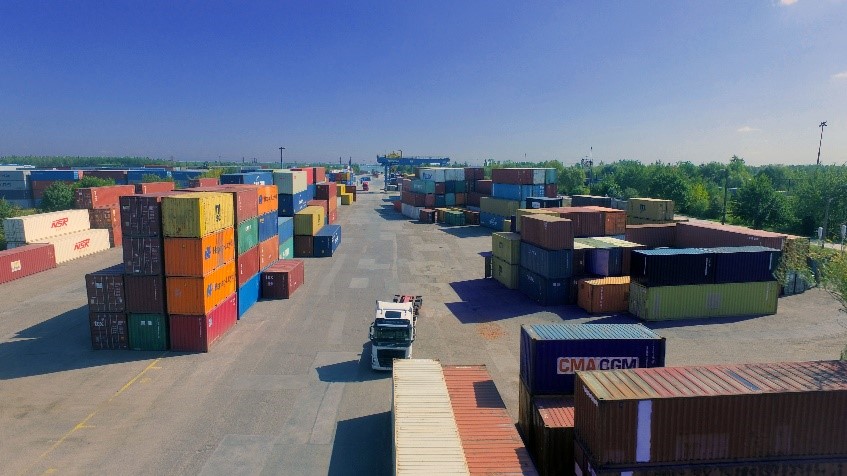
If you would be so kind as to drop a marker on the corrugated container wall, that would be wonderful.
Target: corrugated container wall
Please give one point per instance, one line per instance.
(141, 215)
(550, 233)
(145, 294)
(506, 246)
(148, 331)
(190, 333)
(663, 303)
(704, 234)
(79, 244)
(33, 228)
(105, 290)
(282, 278)
(745, 264)
(652, 236)
(544, 291)
(673, 267)
(198, 296)
(605, 295)
(194, 215)
(554, 264)
(553, 435)
(25, 261)
(199, 256)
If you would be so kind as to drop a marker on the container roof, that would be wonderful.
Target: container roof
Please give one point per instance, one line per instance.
(589, 331)
(741, 249)
(673, 251)
(555, 411)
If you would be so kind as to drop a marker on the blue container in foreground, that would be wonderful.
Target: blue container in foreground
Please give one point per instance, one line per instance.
(251, 178)
(490, 220)
(268, 226)
(550, 264)
(543, 202)
(551, 353)
(248, 294)
(544, 291)
(326, 241)
(291, 204)
(285, 228)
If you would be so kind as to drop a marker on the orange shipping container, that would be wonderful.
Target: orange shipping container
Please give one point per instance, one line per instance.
(268, 199)
(198, 296)
(199, 256)
(604, 295)
(268, 252)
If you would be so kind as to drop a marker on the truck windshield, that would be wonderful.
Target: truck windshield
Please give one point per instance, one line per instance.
(397, 335)
(393, 314)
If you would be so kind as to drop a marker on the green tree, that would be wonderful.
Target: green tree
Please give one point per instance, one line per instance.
(86, 182)
(759, 205)
(571, 181)
(58, 196)
(668, 182)
(698, 200)
(147, 178)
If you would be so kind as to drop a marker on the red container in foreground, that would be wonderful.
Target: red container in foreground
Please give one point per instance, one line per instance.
(198, 333)
(491, 443)
(145, 294)
(26, 260)
(548, 232)
(283, 278)
(108, 330)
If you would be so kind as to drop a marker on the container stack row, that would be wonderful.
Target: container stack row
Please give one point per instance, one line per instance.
(433, 187)
(312, 209)
(69, 231)
(103, 205)
(513, 189)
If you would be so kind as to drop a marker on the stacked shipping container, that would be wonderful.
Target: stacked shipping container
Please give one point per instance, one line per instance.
(510, 188)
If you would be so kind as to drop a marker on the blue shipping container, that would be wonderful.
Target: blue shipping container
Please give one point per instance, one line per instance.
(745, 264)
(673, 267)
(285, 228)
(544, 291)
(326, 241)
(250, 178)
(268, 226)
(16, 194)
(449, 199)
(604, 261)
(311, 190)
(248, 294)
(543, 202)
(551, 353)
(291, 204)
(490, 220)
(506, 191)
(550, 264)
(68, 175)
(136, 176)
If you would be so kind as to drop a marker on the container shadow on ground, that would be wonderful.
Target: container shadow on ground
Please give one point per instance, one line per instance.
(486, 300)
(352, 370)
(467, 231)
(703, 321)
(388, 213)
(58, 344)
(362, 446)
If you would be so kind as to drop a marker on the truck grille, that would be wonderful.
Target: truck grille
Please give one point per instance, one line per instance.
(386, 357)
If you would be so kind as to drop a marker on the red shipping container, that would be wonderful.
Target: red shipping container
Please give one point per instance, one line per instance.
(141, 215)
(551, 190)
(102, 197)
(325, 191)
(440, 188)
(145, 294)
(268, 252)
(154, 187)
(474, 173)
(203, 182)
(614, 220)
(281, 279)
(513, 176)
(706, 234)
(26, 260)
(586, 221)
(320, 174)
(245, 199)
(332, 217)
(105, 290)
(652, 236)
(548, 232)
(429, 200)
(304, 246)
(320, 203)
(248, 265)
(108, 330)
(198, 333)
(484, 187)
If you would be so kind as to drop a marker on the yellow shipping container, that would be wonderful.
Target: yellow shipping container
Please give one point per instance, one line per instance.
(346, 198)
(650, 208)
(340, 189)
(195, 215)
(504, 272)
(309, 221)
(507, 225)
(526, 211)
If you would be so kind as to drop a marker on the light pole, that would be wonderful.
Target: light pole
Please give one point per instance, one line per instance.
(280, 157)
(725, 180)
(822, 125)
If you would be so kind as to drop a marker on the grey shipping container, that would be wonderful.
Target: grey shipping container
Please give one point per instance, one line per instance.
(545, 291)
(554, 264)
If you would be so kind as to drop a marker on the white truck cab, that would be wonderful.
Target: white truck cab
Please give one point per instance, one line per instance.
(391, 333)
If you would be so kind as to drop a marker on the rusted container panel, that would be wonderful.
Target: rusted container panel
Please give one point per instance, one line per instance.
(145, 294)
(614, 221)
(553, 435)
(143, 255)
(105, 289)
(705, 234)
(153, 187)
(102, 197)
(26, 260)
(489, 439)
(198, 296)
(203, 182)
(710, 414)
(141, 215)
(652, 236)
(550, 233)
(190, 333)
(248, 265)
(199, 256)
(108, 330)
(586, 221)
(605, 295)
(268, 252)
(282, 278)
(512, 175)
(304, 246)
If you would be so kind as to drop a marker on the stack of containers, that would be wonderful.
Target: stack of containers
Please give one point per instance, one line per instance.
(307, 223)
(16, 189)
(434, 188)
(475, 190)
(41, 179)
(107, 317)
(703, 282)
(506, 250)
(328, 192)
(550, 357)
(26, 260)
(285, 231)
(649, 211)
(291, 185)
(281, 279)
(202, 298)
(509, 190)
(345, 193)
(103, 205)
(546, 262)
(762, 418)
(69, 231)
(184, 178)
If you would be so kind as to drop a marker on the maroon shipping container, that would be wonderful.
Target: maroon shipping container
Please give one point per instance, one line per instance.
(513, 176)
(326, 191)
(710, 414)
(26, 260)
(203, 182)
(247, 265)
(108, 330)
(548, 232)
(303, 246)
(319, 203)
(119, 176)
(245, 201)
(553, 435)
(141, 215)
(105, 290)
(153, 187)
(268, 252)
(282, 278)
(473, 199)
(474, 173)
(652, 236)
(39, 186)
(198, 333)
(145, 294)
(551, 190)
(586, 221)
(102, 197)
(484, 187)
(427, 215)
(440, 188)
(614, 220)
(143, 255)
(706, 234)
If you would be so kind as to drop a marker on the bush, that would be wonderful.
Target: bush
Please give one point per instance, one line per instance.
(58, 196)
(147, 178)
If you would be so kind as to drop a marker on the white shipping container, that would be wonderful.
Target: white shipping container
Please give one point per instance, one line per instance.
(426, 438)
(79, 244)
(32, 228)
(538, 176)
(455, 175)
(290, 181)
(16, 175)
(411, 211)
(436, 174)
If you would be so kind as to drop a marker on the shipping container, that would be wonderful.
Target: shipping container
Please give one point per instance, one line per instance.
(303, 246)
(323, 204)
(17, 175)
(248, 295)
(614, 221)
(605, 295)
(552, 431)
(603, 258)
(153, 187)
(141, 215)
(286, 249)
(662, 303)
(326, 191)
(506, 273)
(483, 187)
(544, 291)
(535, 203)
(143, 255)
(247, 265)
(102, 197)
(148, 331)
(119, 176)
(196, 214)
(191, 333)
(522, 212)
(251, 178)
(548, 232)
(550, 354)
(426, 437)
(326, 241)
(291, 204)
(145, 294)
(627, 248)
(474, 173)
(745, 263)
(203, 182)
(310, 178)
(79, 244)
(105, 290)
(504, 208)
(285, 228)
(506, 246)
(554, 264)
(54, 174)
(580, 252)
(650, 208)
(673, 267)
(590, 201)
(704, 234)
(280, 280)
(309, 221)
(516, 192)
(512, 175)
(489, 439)
(268, 226)
(34, 228)
(198, 296)
(136, 176)
(247, 235)
(715, 413)
(108, 330)
(198, 257)
(268, 252)
(245, 199)
(586, 221)
(25, 261)
(652, 236)
(346, 198)
(290, 182)
(268, 197)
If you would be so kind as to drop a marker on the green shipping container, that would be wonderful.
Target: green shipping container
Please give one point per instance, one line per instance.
(148, 331)
(247, 235)
(506, 246)
(663, 303)
(497, 206)
(454, 218)
(504, 272)
(286, 249)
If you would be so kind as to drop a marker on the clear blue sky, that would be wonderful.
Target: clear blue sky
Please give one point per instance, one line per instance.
(646, 80)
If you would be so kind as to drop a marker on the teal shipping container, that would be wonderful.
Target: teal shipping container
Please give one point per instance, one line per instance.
(148, 331)
(247, 235)
(286, 249)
